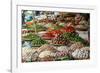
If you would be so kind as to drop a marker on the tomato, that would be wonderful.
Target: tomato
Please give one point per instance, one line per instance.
(68, 29)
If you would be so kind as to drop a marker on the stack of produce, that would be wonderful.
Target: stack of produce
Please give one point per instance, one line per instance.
(47, 47)
(60, 40)
(75, 38)
(68, 29)
(51, 34)
(35, 39)
(28, 37)
(55, 36)
(48, 36)
(57, 31)
(38, 41)
(82, 53)
(75, 46)
(46, 52)
(79, 51)
(46, 56)
(27, 54)
(62, 55)
(62, 48)
(66, 38)
(34, 56)
(26, 32)
(62, 51)
(82, 23)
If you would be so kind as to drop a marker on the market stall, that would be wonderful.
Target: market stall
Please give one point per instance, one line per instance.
(55, 36)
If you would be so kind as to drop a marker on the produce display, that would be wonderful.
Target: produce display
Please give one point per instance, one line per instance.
(35, 40)
(55, 36)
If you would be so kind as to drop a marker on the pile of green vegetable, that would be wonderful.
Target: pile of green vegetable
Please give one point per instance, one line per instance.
(74, 37)
(35, 39)
(28, 37)
(38, 41)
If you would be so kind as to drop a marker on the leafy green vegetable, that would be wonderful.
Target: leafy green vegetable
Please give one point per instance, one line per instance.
(38, 42)
(35, 39)
(74, 37)
(31, 36)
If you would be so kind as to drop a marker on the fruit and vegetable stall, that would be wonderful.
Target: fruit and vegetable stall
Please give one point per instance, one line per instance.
(55, 36)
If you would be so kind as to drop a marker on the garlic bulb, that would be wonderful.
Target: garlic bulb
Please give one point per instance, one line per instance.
(61, 53)
(26, 54)
(75, 46)
(46, 56)
(62, 48)
(46, 53)
(34, 56)
(82, 53)
(46, 47)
